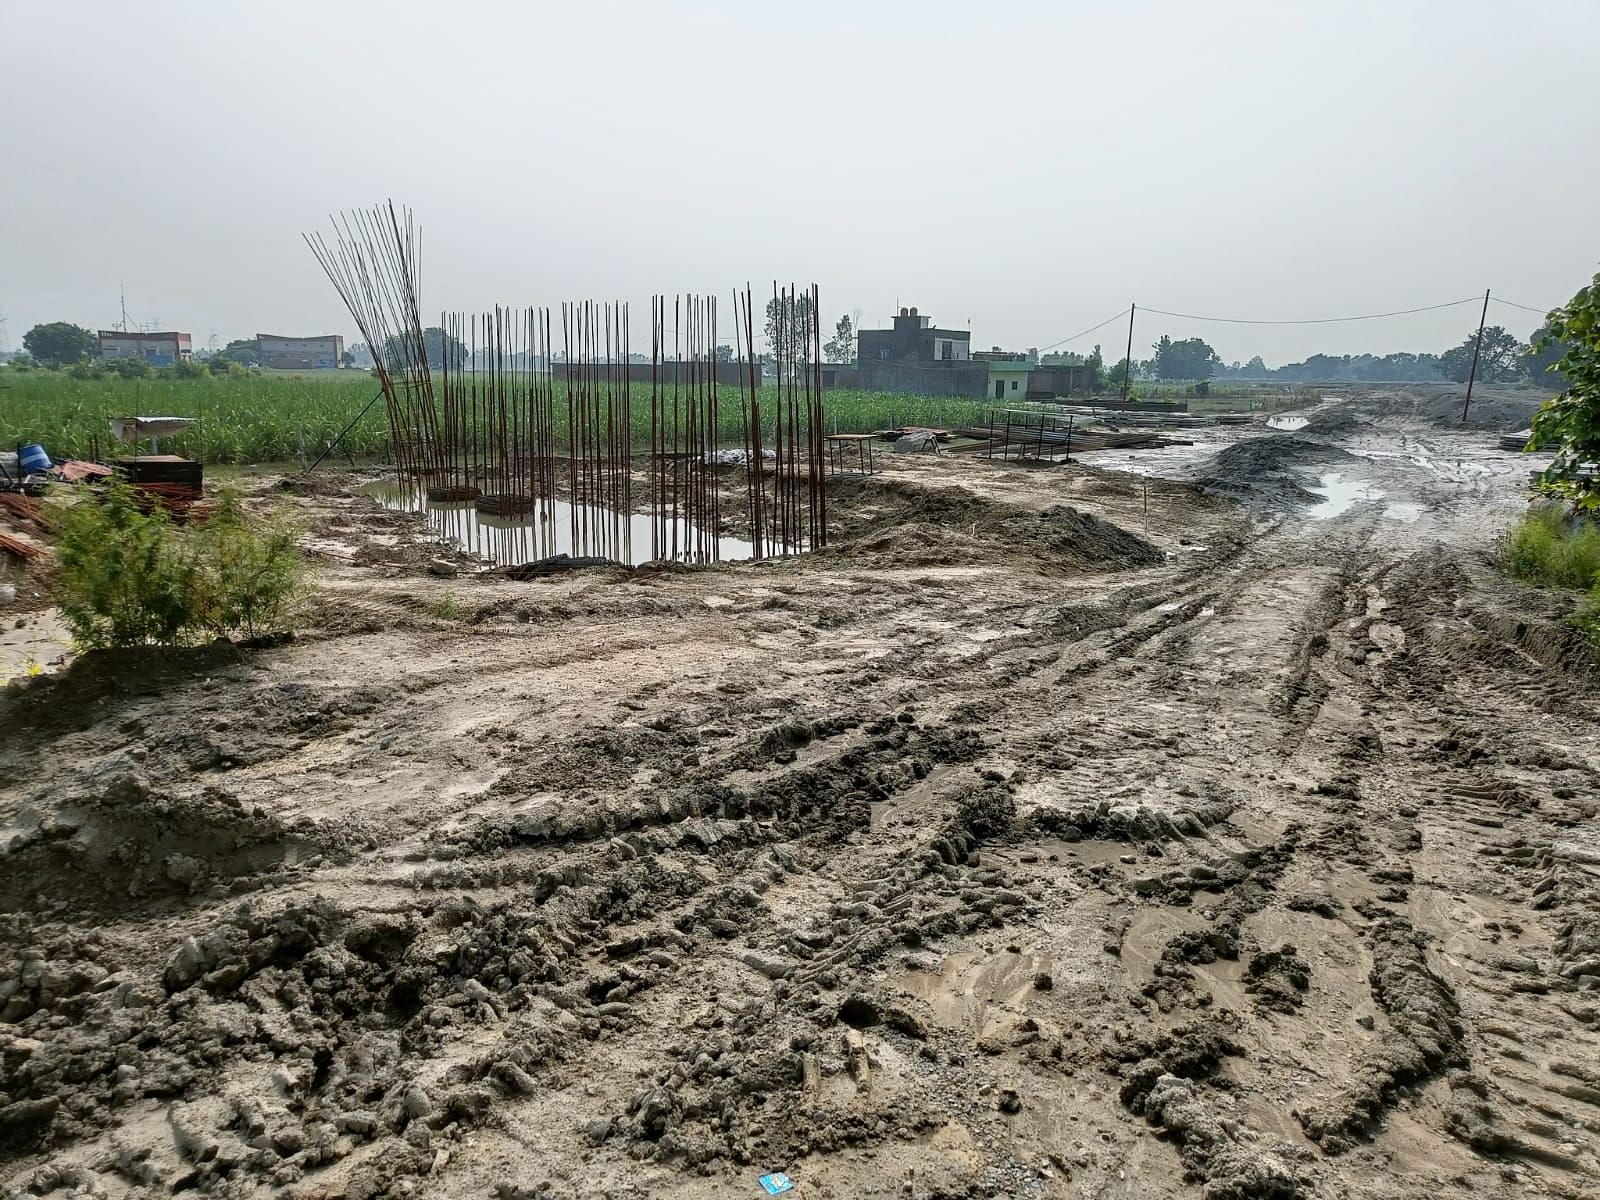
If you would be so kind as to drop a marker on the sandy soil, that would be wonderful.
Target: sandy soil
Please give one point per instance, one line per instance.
(1023, 843)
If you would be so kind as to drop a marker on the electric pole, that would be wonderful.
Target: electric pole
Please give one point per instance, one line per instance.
(1476, 347)
(1127, 360)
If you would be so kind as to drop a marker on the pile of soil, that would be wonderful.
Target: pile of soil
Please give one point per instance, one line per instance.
(1269, 470)
(1496, 409)
(906, 524)
(1335, 422)
(1439, 406)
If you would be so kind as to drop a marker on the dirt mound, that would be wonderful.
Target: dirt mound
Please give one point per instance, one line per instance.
(1268, 470)
(902, 524)
(1492, 407)
(1335, 422)
(120, 840)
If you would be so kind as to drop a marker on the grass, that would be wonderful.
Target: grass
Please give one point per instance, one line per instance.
(1550, 549)
(267, 417)
(271, 417)
(250, 419)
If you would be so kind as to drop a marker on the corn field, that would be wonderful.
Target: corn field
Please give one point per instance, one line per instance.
(262, 418)
(273, 418)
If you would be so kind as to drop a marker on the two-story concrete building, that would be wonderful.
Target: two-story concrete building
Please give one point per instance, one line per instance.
(917, 356)
(913, 339)
(157, 349)
(299, 353)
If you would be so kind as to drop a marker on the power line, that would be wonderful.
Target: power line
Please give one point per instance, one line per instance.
(1525, 307)
(1086, 332)
(1318, 320)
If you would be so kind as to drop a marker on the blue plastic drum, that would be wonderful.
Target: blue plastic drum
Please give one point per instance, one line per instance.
(32, 459)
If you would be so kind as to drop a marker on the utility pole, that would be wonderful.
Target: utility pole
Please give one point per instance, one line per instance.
(1127, 359)
(123, 292)
(1476, 347)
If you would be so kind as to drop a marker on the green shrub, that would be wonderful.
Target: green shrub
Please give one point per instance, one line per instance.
(187, 368)
(87, 369)
(1550, 548)
(248, 571)
(130, 368)
(130, 578)
(1587, 618)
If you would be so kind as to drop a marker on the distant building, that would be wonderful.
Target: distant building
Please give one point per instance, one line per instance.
(1063, 379)
(913, 340)
(915, 356)
(157, 349)
(299, 353)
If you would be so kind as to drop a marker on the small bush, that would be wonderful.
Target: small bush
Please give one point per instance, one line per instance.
(187, 368)
(1548, 547)
(130, 578)
(447, 607)
(1587, 618)
(87, 369)
(130, 368)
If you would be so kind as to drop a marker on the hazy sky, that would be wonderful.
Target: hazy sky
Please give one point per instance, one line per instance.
(1027, 167)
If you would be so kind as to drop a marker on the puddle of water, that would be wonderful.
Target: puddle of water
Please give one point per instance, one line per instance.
(1340, 495)
(1401, 511)
(1284, 421)
(557, 527)
(35, 643)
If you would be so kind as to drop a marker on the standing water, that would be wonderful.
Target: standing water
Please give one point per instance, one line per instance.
(1340, 495)
(558, 527)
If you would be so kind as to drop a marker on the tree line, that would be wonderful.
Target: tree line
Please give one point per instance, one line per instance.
(1502, 358)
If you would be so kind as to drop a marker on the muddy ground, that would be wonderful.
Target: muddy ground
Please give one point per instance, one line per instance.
(1040, 838)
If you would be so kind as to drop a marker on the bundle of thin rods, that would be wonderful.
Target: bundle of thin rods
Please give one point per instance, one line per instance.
(788, 508)
(374, 265)
(519, 429)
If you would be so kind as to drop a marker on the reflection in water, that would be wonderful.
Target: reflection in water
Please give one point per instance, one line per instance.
(1340, 495)
(557, 527)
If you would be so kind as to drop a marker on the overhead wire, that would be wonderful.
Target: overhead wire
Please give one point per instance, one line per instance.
(1525, 307)
(1403, 312)
(1113, 317)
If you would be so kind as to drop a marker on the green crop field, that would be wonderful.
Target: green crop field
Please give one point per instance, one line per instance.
(269, 417)
(250, 418)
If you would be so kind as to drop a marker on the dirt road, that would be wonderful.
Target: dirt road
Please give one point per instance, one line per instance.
(1023, 843)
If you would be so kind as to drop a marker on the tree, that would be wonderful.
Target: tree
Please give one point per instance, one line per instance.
(1191, 358)
(1501, 359)
(1544, 352)
(1571, 421)
(245, 351)
(433, 341)
(724, 352)
(789, 328)
(841, 347)
(60, 343)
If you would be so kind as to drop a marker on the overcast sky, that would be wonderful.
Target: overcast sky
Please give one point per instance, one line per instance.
(1027, 167)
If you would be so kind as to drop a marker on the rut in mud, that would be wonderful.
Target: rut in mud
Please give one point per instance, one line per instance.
(1022, 844)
